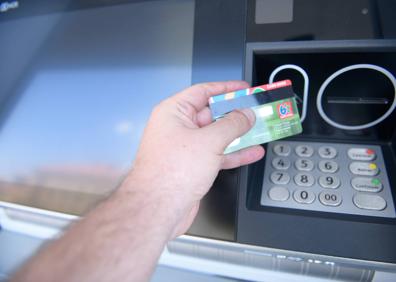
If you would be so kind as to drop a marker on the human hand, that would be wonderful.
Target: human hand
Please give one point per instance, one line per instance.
(180, 155)
(181, 151)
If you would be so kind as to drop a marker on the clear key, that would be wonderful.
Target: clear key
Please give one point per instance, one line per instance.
(361, 168)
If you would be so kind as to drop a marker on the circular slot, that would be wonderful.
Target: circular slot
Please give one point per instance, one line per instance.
(361, 99)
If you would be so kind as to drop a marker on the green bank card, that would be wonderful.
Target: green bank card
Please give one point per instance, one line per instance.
(276, 120)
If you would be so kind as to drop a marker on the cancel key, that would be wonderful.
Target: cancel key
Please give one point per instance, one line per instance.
(361, 168)
(361, 154)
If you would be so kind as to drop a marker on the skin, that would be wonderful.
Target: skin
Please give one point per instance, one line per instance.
(179, 157)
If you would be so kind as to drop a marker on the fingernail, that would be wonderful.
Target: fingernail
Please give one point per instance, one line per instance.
(250, 115)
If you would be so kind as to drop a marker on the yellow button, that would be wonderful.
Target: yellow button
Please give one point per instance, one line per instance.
(373, 166)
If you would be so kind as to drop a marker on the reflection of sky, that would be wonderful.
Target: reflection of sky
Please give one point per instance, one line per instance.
(85, 116)
(92, 110)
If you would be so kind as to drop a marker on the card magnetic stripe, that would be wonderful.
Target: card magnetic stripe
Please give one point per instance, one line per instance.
(221, 108)
(249, 91)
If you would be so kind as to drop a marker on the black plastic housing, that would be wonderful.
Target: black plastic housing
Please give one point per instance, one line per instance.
(338, 235)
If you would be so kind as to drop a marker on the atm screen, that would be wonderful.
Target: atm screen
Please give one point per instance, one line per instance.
(76, 89)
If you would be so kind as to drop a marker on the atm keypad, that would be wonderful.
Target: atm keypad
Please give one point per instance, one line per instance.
(340, 178)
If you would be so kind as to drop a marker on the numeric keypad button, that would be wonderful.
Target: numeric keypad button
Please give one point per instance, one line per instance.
(329, 181)
(303, 196)
(327, 152)
(280, 177)
(304, 151)
(282, 150)
(281, 163)
(278, 193)
(330, 198)
(328, 166)
(304, 164)
(304, 179)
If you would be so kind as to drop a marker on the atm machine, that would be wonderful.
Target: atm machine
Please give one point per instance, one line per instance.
(320, 206)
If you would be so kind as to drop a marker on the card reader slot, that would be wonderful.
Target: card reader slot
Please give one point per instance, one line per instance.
(358, 100)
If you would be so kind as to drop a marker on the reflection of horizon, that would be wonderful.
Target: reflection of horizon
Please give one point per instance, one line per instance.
(86, 178)
(72, 189)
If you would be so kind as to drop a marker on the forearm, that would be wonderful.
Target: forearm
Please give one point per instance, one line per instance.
(120, 240)
(177, 162)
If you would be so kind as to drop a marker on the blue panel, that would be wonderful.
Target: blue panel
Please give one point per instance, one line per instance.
(86, 82)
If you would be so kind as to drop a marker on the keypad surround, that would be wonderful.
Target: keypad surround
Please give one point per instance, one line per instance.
(330, 186)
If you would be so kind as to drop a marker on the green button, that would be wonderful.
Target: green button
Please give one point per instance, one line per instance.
(375, 181)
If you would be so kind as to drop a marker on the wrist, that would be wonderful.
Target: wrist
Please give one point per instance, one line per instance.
(153, 201)
(159, 185)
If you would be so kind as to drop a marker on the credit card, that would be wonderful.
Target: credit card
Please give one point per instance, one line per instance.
(275, 108)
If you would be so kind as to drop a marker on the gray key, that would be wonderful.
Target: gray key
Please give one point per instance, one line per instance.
(361, 168)
(329, 181)
(304, 164)
(361, 154)
(303, 196)
(278, 193)
(282, 150)
(369, 202)
(304, 151)
(280, 177)
(366, 184)
(281, 163)
(328, 166)
(327, 152)
(330, 198)
(304, 179)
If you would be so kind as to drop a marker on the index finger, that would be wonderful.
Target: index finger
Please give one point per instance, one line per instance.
(199, 94)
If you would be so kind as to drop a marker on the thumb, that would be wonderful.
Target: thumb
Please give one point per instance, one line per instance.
(233, 125)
